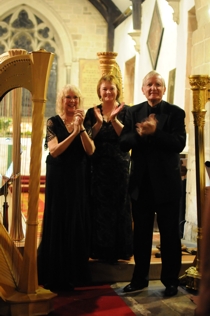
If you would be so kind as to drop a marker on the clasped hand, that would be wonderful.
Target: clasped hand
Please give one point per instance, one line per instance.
(79, 116)
(148, 127)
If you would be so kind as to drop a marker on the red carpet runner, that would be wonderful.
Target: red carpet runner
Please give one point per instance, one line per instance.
(90, 301)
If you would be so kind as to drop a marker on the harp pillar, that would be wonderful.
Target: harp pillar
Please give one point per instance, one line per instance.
(198, 85)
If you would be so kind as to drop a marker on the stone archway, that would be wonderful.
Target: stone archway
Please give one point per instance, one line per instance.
(50, 17)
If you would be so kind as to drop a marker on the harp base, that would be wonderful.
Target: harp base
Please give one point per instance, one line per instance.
(16, 303)
(191, 278)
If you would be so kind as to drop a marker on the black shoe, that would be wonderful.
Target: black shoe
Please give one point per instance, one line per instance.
(170, 290)
(133, 288)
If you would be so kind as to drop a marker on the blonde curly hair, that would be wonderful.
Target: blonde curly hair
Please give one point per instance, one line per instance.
(61, 94)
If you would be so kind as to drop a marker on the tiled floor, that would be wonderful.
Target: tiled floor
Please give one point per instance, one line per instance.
(103, 272)
(151, 301)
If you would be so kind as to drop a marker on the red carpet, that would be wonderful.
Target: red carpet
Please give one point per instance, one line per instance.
(90, 301)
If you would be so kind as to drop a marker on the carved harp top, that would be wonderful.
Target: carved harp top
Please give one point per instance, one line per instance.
(108, 65)
(18, 68)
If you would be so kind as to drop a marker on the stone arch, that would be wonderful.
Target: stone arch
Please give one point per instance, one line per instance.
(47, 14)
(59, 41)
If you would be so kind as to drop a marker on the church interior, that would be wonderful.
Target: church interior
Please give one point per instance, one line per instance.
(76, 41)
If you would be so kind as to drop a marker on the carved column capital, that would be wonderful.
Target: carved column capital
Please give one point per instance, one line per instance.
(175, 6)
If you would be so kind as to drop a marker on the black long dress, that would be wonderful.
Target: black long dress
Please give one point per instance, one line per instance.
(110, 204)
(63, 253)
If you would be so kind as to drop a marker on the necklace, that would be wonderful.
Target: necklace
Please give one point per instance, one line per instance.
(68, 124)
(106, 114)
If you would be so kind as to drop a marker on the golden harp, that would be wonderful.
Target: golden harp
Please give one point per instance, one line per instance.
(109, 66)
(19, 290)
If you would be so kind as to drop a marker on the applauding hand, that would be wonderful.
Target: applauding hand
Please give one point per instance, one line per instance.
(116, 111)
(148, 127)
(98, 115)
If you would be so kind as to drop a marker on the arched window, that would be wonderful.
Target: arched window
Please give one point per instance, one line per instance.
(23, 29)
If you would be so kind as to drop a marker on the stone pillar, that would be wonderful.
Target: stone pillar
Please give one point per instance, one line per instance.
(68, 73)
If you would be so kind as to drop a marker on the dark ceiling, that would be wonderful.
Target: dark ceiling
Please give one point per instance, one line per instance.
(114, 16)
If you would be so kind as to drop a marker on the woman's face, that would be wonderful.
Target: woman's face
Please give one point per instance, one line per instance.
(70, 102)
(108, 91)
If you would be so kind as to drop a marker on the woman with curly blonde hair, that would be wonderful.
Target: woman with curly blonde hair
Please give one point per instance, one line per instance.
(64, 249)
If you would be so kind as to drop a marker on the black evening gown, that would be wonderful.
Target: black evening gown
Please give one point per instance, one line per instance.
(110, 204)
(63, 253)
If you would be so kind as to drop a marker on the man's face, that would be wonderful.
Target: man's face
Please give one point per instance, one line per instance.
(153, 89)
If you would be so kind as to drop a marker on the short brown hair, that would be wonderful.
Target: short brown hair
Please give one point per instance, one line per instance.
(112, 79)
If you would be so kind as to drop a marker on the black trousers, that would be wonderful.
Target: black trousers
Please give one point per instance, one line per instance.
(168, 222)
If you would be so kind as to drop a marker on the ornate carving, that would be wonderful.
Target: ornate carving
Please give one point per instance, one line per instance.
(199, 81)
(135, 35)
(199, 118)
(198, 85)
(193, 278)
(107, 61)
(175, 6)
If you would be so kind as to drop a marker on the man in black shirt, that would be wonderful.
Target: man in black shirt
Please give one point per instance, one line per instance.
(155, 132)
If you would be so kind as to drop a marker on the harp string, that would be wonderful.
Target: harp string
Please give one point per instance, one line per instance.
(10, 258)
(5, 150)
(16, 231)
(26, 130)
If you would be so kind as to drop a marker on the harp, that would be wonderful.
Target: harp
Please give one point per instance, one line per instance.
(19, 290)
(109, 66)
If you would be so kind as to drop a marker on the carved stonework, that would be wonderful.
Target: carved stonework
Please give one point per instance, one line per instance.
(135, 35)
(175, 6)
